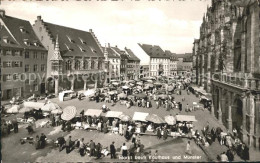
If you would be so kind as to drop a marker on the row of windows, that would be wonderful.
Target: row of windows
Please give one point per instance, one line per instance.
(9, 64)
(115, 60)
(159, 60)
(157, 67)
(78, 64)
(35, 55)
(27, 68)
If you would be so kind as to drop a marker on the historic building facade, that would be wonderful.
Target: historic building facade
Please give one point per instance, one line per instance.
(75, 58)
(133, 65)
(23, 59)
(227, 55)
(114, 62)
(173, 62)
(184, 64)
(159, 61)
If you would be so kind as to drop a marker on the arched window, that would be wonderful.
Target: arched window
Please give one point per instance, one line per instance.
(92, 64)
(68, 65)
(85, 65)
(77, 65)
(99, 65)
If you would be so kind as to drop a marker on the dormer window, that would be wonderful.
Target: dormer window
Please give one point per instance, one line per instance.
(71, 40)
(83, 50)
(22, 29)
(82, 41)
(93, 50)
(69, 48)
(6, 40)
(36, 43)
(26, 42)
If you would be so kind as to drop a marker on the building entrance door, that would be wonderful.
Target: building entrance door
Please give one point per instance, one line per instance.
(42, 88)
(8, 94)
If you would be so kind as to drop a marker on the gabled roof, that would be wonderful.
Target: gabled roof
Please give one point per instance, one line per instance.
(14, 27)
(131, 55)
(154, 51)
(56, 55)
(5, 34)
(120, 52)
(187, 57)
(171, 55)
(74, 42)
(111, 53)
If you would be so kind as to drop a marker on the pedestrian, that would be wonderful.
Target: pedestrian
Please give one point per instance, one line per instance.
(132, 152)
(235, 132)
(42, 140)
(57, 120)
(187, 108)
(245, 153)
(105, 129)
(92, 148)
(159, 135)
(99, 126)
(61, 142)
(165, 134)
(37, 142)
(120, 128)
(188, 148)
(112, 150)
(68, 145)
(98, 150)
(15, 125)
(230, 155)
(134, 138)
(124, 151)
(82, 147)
(157, 104)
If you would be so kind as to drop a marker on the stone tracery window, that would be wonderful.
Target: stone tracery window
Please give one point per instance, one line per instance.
(77, 65)
(68, 65)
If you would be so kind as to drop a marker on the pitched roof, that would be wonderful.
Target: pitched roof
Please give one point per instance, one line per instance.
(120, 52)
(5, 34)
(187, 57)
(111, 53)
(171, 55)
(74, 42)
(22, 32)
(154, 51)
(131, 55)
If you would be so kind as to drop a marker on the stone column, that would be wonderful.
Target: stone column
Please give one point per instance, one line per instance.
(229, 120)
(56, 79)
(213, 101)
(243, 129)
(243, 51)
(257, 122)
(251, 118)
(72, 83)
(220, 106)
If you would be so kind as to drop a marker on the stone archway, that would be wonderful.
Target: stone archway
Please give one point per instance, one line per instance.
(237, 114)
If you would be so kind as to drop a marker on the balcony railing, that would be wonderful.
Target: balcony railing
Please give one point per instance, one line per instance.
(239, 80)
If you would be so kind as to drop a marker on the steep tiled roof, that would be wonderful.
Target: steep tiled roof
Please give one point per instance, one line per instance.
(121, 52)
(22, 31)
(187, 57)
(80, 43)
(131, 55)
(170, 54)
(111, 53)
(153, 51)
(5, 34)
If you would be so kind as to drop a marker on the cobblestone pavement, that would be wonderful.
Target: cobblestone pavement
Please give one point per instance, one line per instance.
(170, 147)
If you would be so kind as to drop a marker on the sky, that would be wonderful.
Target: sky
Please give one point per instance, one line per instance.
(172, 24)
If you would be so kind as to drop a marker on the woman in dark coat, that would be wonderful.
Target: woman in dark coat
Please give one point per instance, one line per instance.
(37, 142)
(245, 153)
(165, 134)
(105, 129)
(159, 135)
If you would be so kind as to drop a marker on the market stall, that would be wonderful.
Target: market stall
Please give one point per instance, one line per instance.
(140, 116)
(113, 114)
(93, 112)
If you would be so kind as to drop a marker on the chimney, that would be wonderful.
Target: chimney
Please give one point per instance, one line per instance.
(90, 30)
(2, 13)
(39, 18)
